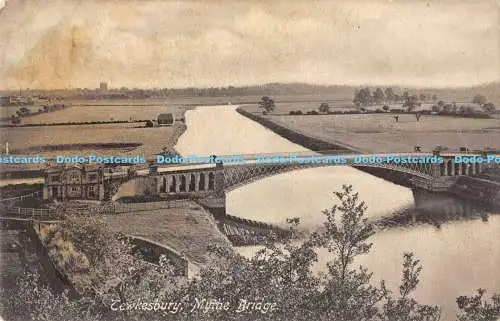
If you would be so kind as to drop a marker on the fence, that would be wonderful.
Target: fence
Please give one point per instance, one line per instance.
(40, 214)
(12, 200)
(117, 208)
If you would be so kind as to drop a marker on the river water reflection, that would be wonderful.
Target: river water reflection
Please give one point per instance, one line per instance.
(458, 257)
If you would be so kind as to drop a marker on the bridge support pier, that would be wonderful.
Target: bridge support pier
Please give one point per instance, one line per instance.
(424, 199)
(443, 204)
(215, 205)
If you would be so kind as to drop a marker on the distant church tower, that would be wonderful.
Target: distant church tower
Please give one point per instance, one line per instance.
(103, 86)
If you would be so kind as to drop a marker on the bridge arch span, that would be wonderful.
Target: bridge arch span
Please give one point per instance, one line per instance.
(237, 176)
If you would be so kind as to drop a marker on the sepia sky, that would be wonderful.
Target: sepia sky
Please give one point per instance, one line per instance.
(66, 43)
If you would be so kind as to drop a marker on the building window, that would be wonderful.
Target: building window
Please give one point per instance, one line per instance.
(91, 191)
(211, 179)
(55, 179)
(201, 183)
(92, 177)
(74, 189)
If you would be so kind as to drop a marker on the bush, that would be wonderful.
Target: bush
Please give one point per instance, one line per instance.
(149, 123)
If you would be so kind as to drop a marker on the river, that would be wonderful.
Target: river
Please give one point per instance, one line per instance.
(457, 257)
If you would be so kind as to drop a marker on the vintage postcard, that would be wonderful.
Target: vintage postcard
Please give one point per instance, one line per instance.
(285, 160)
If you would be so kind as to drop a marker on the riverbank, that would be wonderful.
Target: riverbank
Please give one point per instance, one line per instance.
(307, 141)
(383, 132)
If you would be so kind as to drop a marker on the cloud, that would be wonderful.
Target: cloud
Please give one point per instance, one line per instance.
(220, 43)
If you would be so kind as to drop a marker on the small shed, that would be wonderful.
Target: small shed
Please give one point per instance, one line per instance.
(166, 119)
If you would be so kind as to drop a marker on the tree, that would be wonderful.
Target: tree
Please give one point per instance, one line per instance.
(324, 108)
(447, 108)
(405, 307)
(277, 273)
(348, 239)
(114, 275)
(280, 272)
(405, 96)
(149, 123)
(470, 110)
(33, 300)
(15, 119)
(378, 96)
(348, 293)
(363, 97)
(477, 308)
(479, 99)
(410, 101)
(389, 94)
(24, 110)
(386, 108)
(489, 107)
(267, 104)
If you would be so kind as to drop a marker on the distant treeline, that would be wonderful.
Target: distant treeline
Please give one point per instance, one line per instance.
(460, 113)
(138, 93)
(342, 92)
(24, 111)
(365, 97)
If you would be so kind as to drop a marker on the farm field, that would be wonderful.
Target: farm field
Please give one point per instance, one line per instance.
(41, 140)
(103, 113)
(122, 109)
(381, 133)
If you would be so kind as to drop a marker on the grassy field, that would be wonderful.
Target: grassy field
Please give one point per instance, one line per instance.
(33, 140)
(188, 230)
(48, 141)
(381, 133)
(78, 113)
